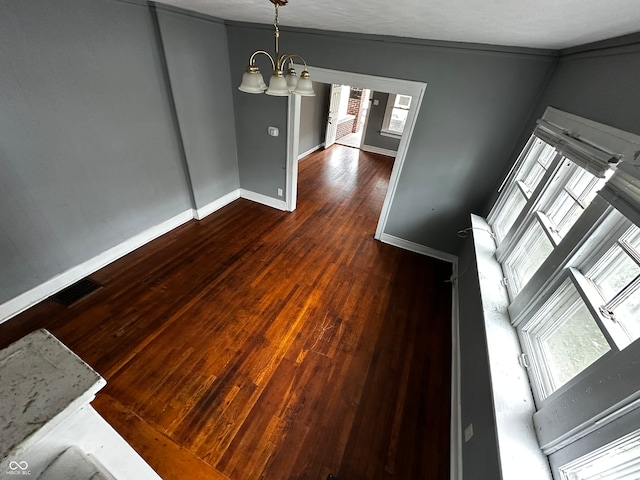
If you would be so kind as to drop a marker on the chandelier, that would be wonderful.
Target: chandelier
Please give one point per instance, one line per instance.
(279, 85)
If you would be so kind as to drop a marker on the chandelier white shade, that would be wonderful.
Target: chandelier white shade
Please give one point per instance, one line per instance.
(280, 85)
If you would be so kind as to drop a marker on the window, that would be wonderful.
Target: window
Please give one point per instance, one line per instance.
(562, 339)
(567, 238)
(395, 115)
(616, 277)
(536, 161)
(618, 460)
(552, 210)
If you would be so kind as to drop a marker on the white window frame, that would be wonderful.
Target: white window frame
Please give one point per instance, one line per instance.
(388, 112)
(596, 148)
(512, 248)
(536, 329)
(514, 182)
(602, 461)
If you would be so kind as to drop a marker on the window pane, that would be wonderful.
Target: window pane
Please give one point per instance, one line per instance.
(402, 101)
(617, 270)
(619, 460)
(581, 183)
(533, 177)
(571, 202)
(509, 213)
(563, 207)
(627, 314)
(536, 164)
(574, 344)
(532, 251)
(547, 153)
(398, 119)
(617, 278)
(632, 238)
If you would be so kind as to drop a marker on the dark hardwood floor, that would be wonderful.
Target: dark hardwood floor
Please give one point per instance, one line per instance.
(263, 344)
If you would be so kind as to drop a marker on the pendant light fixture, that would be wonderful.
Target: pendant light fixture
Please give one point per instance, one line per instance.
(280, 85)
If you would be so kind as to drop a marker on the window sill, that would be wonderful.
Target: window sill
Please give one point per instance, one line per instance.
(389, 133)
(518, 451)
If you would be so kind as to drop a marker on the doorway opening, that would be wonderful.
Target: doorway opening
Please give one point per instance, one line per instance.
(406, 88)
(346, 123)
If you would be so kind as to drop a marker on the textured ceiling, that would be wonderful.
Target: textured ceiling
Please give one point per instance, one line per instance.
(549, 24)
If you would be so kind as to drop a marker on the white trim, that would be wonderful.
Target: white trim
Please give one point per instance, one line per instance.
(381, 151)
(263, 199)
(223, 201)
(94, 436)
(602, 136)
(390, 134)
(29, 298)
(18, 304)
(455, 456)
(382, 84)
(365, 124)
(310, 151)
(598, 463)
(400, 158)
(293, 134)
(418, 248)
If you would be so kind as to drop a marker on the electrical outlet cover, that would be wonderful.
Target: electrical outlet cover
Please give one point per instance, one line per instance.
(468, 432)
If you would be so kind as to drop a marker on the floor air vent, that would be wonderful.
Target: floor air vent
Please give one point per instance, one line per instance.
(76, 292)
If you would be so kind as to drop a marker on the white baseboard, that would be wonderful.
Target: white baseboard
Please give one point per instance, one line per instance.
(263, 199)
(209, 208)
(455, 457)
(310, 151)
(418, 248)
(20, 303)
(381, 151)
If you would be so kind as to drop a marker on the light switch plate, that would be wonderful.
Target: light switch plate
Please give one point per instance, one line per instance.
(274, 132)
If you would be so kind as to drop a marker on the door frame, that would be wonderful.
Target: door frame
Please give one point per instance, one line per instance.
(372, 82)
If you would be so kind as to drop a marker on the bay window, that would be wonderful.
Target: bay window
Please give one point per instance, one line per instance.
(567, 238)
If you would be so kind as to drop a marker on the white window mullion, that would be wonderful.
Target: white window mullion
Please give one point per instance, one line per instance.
(613, 332)
(548, 228)
(623, 295)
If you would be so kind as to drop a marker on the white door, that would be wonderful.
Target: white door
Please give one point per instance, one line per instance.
(332, 121)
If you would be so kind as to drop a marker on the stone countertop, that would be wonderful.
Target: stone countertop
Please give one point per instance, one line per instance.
(42, 382)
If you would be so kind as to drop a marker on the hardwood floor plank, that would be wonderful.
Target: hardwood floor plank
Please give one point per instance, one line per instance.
(260, 344)
(167, 458)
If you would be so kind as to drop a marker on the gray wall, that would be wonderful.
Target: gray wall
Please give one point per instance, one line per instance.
(89, 156)
(313, 118)
(372, 135)
(261, 158)
(198, 59)
(602, 85)
(475, 107)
